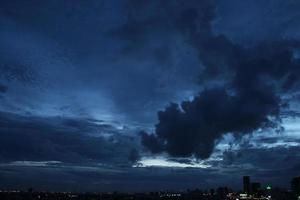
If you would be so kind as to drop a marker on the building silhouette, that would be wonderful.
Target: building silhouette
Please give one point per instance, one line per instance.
(295, 185)
(255, 187)
(246, 184)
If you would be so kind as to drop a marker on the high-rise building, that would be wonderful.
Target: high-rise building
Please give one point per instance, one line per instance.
(295, 185)
(246, 184)
(255, 186)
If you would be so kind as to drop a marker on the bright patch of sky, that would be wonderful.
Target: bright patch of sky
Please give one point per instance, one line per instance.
(163, 162)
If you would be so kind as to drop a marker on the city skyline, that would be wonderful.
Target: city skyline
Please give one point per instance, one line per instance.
(256, 192)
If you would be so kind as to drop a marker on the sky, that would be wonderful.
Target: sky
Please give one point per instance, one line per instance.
(136, 95)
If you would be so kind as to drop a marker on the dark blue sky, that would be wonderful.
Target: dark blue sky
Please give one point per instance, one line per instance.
(137, 95)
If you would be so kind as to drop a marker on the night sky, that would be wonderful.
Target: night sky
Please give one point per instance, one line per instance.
(145, 95)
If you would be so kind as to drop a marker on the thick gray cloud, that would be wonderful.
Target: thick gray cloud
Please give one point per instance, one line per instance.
(64, 140)
(256, 79)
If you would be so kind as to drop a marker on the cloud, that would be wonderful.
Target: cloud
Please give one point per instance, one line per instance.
(193, 127)
(256, 79)
(56, 139)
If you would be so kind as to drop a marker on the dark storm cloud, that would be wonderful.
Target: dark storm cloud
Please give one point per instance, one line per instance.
(64, 140)
(193, 127)
(138, 33)
(256, 79)
(150, 28)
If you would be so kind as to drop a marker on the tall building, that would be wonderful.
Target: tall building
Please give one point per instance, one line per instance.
(246, 184)
(295, 185)
(255, 187)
